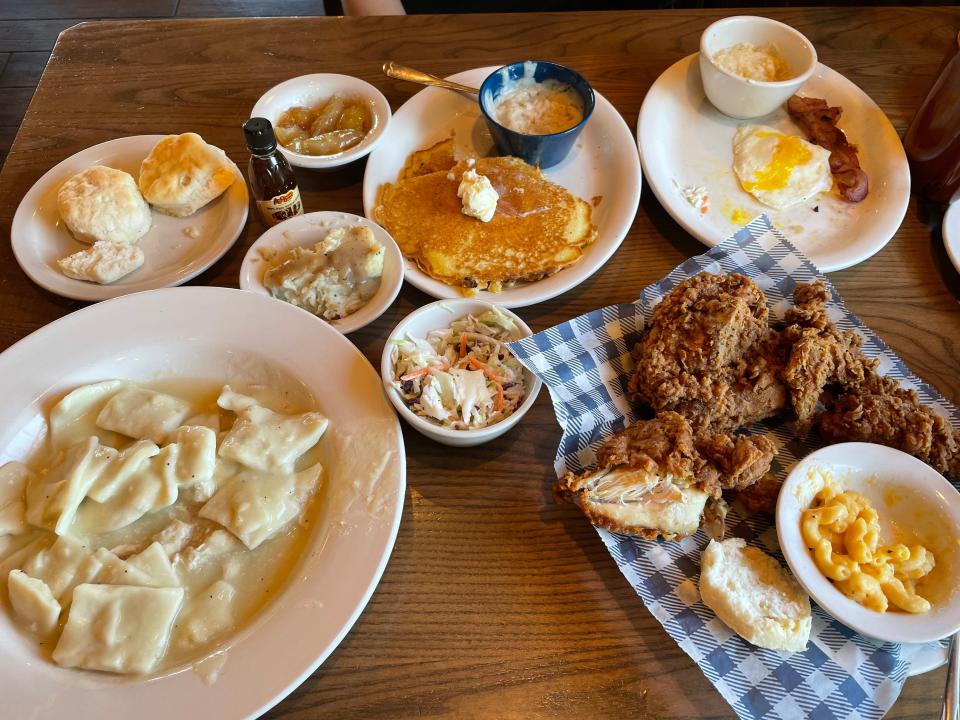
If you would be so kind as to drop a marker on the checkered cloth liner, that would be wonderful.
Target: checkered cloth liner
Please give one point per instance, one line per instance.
(586, 363)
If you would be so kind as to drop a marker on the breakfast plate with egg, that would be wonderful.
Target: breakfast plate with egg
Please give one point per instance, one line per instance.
(581, 206)
(714, 173)
(131, 214)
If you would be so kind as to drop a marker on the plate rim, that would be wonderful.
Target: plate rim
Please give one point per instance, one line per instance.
(522, 296)
(92, 292)
(709, 238)
(15, 353)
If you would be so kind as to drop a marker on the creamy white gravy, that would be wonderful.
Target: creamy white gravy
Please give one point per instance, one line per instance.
(538, 108)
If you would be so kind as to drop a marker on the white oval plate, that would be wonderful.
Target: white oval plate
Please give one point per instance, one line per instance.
(602, 163)
(40, 238)
(928, 504)
(216, 334)
(309, 229)
(683, 139)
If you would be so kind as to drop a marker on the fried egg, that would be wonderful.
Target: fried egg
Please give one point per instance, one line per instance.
(779, 170)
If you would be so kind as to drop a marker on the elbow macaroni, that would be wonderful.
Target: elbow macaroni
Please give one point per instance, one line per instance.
(842, 531)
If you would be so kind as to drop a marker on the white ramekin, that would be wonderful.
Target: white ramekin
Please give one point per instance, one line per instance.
(740, 97)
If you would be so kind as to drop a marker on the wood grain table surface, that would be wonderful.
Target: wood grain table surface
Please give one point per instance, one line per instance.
(497, 602)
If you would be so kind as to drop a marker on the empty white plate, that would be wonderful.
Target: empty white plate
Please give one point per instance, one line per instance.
(40, 238)
(602, 168)
(686, 142)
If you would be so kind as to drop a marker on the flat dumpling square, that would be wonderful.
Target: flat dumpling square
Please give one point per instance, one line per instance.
(14, 477)
(143, 414)
(18, 558)
(156, 564)
(53, 499)
(211, 613)
(62, 566)
(266, 440)
(153, 487)
(121, 468)
(73, 419)
(34, 605)
(118, 628)
(254, 506)
(116, 571)
(198, 454)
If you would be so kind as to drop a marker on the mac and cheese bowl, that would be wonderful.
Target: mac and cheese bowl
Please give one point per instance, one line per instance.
(873, 535)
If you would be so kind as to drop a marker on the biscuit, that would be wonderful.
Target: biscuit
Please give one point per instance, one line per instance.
(101, 203)
(752, 593)
(183, 173)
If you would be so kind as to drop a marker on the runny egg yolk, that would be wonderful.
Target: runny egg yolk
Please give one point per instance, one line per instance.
(789, 153)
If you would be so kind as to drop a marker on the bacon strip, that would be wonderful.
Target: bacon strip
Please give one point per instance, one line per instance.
(819, 121)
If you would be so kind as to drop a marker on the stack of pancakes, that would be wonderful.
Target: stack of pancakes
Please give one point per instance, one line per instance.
(538, 229)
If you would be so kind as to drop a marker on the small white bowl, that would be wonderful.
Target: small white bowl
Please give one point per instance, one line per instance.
(435, 316)
(311, 90)
(309, 229)
(738, 96)
(906, 492)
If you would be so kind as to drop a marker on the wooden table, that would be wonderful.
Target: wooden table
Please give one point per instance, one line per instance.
(497, 602)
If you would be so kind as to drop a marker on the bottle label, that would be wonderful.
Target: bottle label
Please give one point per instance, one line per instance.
(279, 208)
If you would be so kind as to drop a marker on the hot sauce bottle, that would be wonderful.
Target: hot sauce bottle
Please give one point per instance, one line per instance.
(272, 181)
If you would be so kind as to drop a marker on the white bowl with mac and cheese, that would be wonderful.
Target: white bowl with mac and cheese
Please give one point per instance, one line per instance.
(904, 586)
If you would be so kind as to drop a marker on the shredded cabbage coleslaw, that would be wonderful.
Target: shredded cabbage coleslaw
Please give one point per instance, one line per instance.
(461, 377)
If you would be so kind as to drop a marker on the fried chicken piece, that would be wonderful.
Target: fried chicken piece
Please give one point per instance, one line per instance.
(741, 460)
(710, 355)
(653, 479)
(762, 495)
(820, 354)
(743, 393)
(880, 411)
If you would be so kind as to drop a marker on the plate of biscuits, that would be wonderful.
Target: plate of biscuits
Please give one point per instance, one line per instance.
(552, 228)
(131, 214)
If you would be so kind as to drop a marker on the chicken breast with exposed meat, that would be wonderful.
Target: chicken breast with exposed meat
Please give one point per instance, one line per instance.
(655, 478)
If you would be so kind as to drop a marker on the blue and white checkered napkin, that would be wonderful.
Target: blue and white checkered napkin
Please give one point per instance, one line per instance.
(586, 364)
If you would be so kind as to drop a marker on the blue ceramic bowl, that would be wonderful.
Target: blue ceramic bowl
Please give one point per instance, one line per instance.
(542, 150)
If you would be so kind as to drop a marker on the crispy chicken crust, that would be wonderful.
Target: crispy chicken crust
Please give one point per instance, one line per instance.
(711, 356)
(656, 478)
(878, 410)
(820, 354)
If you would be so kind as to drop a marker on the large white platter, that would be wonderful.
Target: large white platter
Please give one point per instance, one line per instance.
(684, 140)
(602, 164)
(216, 334)
(40, 238)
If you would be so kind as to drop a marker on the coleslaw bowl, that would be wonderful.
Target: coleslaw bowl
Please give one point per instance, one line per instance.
(436, 316)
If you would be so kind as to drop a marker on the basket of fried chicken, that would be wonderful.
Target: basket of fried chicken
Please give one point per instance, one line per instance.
(710, 363)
